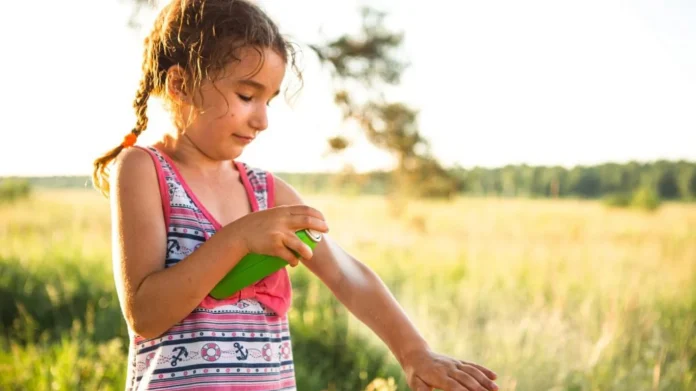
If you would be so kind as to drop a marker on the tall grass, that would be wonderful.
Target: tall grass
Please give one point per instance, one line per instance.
(552, 295)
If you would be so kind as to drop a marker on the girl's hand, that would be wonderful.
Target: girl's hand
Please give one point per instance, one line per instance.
(272, 231)
(426, 370)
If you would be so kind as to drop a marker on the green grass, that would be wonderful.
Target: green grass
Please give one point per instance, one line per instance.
(552, 295)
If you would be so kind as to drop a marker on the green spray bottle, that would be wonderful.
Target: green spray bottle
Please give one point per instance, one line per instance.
(254, 267)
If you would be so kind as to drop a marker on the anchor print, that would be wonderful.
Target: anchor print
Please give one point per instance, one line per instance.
(182, 351)
(242, 354)
(172, 245)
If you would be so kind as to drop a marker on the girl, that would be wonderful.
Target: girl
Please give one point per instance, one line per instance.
(184, 212)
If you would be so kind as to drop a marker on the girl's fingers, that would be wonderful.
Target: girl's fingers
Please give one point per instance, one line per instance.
(441, 381)
(294, 243)
(305, 210)
(473, 377)
(466, 381)
(298, 222)
(289, 257)
(489, 374)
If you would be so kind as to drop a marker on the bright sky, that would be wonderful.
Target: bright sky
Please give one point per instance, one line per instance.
(496, 82)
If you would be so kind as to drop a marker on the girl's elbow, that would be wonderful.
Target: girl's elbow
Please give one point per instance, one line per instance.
(143, 325)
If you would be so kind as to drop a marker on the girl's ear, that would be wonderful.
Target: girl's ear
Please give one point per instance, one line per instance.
(176, 85)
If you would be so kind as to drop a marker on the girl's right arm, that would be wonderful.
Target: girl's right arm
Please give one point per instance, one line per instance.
(153, 298)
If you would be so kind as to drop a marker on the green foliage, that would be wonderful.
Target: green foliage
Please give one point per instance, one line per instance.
(368, 56)
(646, 198)
(670, 180)
(363, 65)
(619, 200)
(72, 362)
(12, 189)
(44, 299)
(687, 181)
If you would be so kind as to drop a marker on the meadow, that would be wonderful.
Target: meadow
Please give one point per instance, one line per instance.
(551, 294)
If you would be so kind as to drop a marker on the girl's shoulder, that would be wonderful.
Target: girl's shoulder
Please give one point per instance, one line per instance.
(260, 182)
(134, 189)
(253, 170)
(132, 166)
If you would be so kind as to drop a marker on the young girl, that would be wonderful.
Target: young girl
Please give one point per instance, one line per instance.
(185, 211)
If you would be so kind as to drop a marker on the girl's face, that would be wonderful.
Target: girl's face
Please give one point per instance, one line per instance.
(233, 109)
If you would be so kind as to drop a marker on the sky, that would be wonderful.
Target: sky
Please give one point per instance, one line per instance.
(495, 82)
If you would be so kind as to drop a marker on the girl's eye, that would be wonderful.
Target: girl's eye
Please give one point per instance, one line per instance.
(244, 97)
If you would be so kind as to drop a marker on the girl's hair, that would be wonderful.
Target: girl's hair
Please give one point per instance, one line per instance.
(201, 36)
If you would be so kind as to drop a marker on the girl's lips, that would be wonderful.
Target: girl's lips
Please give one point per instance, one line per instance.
(243, 139)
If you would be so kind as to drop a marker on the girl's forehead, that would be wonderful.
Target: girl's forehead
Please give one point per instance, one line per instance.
(252, 64)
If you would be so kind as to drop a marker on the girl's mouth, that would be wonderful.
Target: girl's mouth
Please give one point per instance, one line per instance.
(244, 139)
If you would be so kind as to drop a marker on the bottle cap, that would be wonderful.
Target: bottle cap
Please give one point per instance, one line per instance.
(314, 235)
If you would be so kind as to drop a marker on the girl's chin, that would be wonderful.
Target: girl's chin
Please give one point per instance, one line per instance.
(233, 152)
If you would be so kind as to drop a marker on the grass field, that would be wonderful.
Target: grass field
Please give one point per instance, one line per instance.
(552, 295)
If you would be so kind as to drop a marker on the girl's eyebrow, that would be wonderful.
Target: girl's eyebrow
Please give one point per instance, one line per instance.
(255, 84)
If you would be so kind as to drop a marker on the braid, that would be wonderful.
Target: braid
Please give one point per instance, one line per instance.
(100, 176)
(140, 104)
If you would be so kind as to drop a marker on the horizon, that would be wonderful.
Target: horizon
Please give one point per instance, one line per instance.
(568, 168)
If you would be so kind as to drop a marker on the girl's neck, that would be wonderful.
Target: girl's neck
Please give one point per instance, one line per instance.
(183, 151)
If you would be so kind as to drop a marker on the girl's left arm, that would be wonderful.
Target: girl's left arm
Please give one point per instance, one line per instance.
(364, 294)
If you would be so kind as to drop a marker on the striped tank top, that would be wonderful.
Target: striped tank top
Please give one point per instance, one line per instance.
(240, 343)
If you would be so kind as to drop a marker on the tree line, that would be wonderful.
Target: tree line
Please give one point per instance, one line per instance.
(669, 180)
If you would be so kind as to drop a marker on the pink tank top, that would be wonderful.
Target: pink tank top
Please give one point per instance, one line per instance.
(184, 215)
(240, 343)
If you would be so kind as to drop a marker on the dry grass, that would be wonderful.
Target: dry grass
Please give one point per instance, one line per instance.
(553, 295)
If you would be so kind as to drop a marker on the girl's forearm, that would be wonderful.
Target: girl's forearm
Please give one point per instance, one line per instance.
(167, 296)
(362, 291)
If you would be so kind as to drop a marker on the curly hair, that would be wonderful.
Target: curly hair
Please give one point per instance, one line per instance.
(202, 37)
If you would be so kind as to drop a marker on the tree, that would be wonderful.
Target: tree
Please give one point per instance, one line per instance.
(667, 185)
(585, 181)
(362, 67)
(687, 181)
